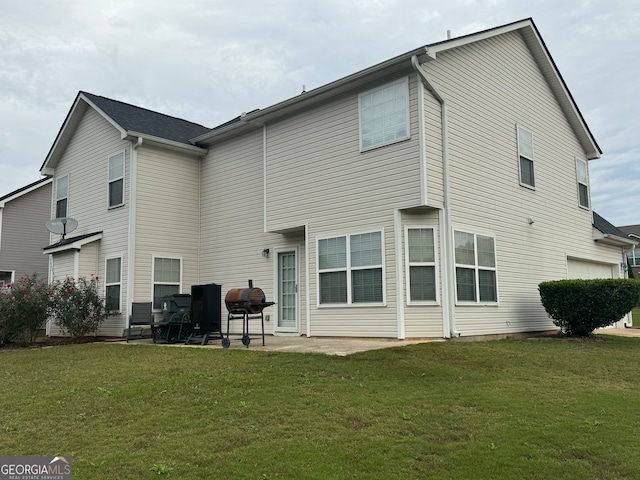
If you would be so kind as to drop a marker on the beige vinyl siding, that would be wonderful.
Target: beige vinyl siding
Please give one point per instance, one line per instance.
(167, 217)
(232, 233)
(433, 150)
(24, 234)
(491, 86)
(314, 158)
(85, 160)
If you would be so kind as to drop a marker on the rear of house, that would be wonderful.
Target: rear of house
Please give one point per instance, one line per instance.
(426, 196)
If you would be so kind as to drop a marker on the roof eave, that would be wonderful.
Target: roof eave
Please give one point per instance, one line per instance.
(72, 246)
(163, 142)
(614, 240)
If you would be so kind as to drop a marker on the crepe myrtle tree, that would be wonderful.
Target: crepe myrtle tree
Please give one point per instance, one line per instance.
(77, 308)
(578, 307)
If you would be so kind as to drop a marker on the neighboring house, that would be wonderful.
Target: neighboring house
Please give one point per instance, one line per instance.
(633, 255)
(23, 217)
(426, 196)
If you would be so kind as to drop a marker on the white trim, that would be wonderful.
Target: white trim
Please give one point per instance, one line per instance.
(397, 237)
(264, 178)
(531, 158)
(578, 183)
(307, 278)
(408, 264)
(476, 268)
(349, 269)
(422, 138)
(122, 152)
(131, 247)
(153, 272)
(119, 283)
(405, 81)
(57, 199)
(276, 288)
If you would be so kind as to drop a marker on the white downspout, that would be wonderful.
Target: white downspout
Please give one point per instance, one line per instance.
(397, 232)
(307, 277)
(133, 180)
(446, 233)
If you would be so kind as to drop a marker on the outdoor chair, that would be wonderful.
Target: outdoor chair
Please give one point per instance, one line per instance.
(141, 315)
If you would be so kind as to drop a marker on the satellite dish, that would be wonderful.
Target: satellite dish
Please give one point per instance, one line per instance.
(62, 226)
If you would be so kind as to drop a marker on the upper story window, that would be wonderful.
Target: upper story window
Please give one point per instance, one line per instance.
(525, 157)
(350, 269)
(62, 196)
(421, 265)
(583, 182)
(384, 115)
(167, 277)
(116, 179)
(475, 268)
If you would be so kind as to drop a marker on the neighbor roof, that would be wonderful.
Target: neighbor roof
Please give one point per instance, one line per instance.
(24, 190)
(609, 233)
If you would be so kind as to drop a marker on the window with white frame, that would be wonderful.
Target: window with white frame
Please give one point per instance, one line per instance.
(350, 269)
(525, 157)
(384, 115)
(166, 279)
(421, 265)
(583, 182)
(475, 268)
(633, 257)
(113, 284)
(62, 196)
(116, 179)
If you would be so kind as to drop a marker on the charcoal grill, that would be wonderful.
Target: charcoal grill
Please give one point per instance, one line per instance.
(244, 304)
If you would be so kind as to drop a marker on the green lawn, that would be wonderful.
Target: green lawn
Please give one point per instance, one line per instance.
(527, 409)
(636, 316)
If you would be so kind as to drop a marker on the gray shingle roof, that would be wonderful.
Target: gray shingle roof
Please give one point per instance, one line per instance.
(607, 228)
(141, 120)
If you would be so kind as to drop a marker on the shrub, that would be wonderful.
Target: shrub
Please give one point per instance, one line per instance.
(24, 308)
(578, 307)
(77, 307)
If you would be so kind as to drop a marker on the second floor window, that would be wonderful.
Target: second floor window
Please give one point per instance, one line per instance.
(583, 182)
(525, 157)
(116, 179)
(384, 115)
(62, 195)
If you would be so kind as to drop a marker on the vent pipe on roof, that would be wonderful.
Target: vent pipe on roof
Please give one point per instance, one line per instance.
(448, 34)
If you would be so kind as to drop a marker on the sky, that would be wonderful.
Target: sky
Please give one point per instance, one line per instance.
(209, 61)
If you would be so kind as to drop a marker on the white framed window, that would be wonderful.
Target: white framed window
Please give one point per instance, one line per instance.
(633, 257)
(384, 115)
(420, 250)
(525, 157)
(116, 179)
(350, 269)
(582, 176)
(476, 275)
(113, 284)
(62, 196)
(167, 278)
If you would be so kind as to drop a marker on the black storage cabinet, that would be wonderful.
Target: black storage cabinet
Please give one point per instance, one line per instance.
(206, 308)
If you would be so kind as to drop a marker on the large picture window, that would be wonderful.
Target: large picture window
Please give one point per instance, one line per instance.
(384, 115)
(62, 196)
(167, 276)
(421, 265)
(525, 157)
(583, 182)
(113, 284)
(475, 268)
(351, 269)
(116, 179)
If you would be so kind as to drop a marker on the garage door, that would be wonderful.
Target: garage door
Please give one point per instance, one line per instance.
(584, 269)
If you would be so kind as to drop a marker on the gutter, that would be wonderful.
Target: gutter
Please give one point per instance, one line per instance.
(131, 253)
(446, 233)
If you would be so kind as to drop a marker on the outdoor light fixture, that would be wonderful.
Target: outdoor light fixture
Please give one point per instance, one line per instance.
(265, 252)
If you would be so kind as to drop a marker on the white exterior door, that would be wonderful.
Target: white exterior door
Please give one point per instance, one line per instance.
(287, 295)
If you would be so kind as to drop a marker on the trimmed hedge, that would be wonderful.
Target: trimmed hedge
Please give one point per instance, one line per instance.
(578, 307)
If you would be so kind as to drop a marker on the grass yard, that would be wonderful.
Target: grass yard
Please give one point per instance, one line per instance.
(636, 316)
(527, 409)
